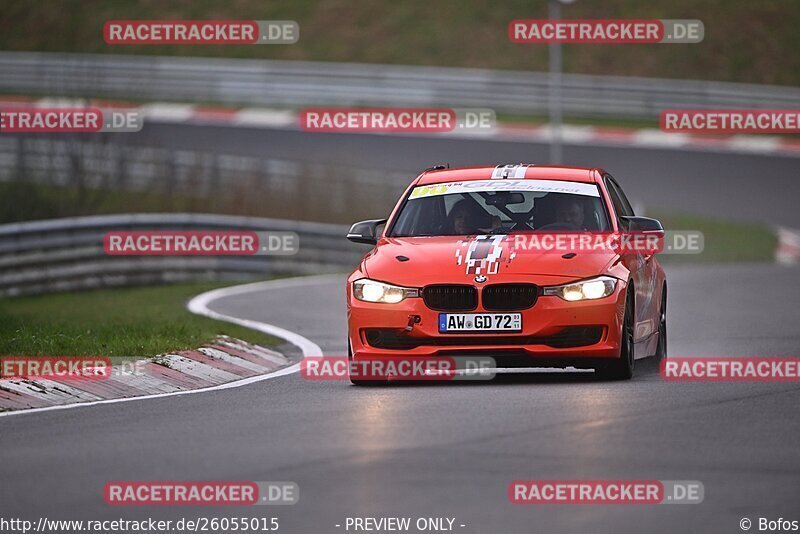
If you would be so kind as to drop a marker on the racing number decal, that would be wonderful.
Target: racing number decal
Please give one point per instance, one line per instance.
(483, 254)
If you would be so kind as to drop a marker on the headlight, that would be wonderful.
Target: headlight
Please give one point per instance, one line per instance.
(374, 291)
(595, 288)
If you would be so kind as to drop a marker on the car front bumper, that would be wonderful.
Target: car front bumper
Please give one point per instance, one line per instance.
(552, 330)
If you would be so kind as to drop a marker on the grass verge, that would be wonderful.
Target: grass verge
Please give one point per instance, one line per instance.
(745, 40)
(724, 241)
(118, 323)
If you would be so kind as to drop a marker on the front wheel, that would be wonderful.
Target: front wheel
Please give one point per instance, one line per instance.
(622, 367)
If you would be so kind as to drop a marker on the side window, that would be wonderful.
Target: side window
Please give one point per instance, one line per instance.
(615, 200)
(626, 205)
(618, 198)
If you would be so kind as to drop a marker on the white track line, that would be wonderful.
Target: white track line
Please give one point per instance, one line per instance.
(199, 305)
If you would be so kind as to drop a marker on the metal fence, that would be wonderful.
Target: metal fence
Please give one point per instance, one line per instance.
(67, 254)
(295, 83)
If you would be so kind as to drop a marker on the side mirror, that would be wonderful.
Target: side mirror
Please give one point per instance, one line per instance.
(365, 231)
(642, 224)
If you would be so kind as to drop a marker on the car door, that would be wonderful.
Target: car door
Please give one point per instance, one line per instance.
(642, 265)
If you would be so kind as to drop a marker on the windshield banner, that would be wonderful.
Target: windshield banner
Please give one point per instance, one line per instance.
(477, 186)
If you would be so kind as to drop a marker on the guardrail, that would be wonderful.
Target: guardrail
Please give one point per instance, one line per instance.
(90, 170)
(67, 254)
(295, 84)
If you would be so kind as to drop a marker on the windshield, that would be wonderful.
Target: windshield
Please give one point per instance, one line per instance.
(501, 206)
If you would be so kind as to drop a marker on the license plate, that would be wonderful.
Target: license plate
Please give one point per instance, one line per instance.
(480, 322)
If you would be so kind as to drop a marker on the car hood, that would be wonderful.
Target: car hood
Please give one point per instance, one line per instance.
(458, 259)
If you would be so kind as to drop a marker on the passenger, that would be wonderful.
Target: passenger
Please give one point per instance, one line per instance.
(570, 211)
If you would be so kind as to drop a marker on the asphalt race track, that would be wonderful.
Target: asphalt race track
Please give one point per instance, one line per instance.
(744, 186)
(451, 450)
(448, 450)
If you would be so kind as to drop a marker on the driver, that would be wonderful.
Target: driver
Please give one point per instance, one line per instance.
(570, 211)
(467, 218)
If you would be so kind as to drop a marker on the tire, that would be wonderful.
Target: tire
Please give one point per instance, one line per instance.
(359, 382)
(661, 350)
(621, 368)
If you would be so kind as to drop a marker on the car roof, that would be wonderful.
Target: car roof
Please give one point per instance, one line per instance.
(532, 172)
